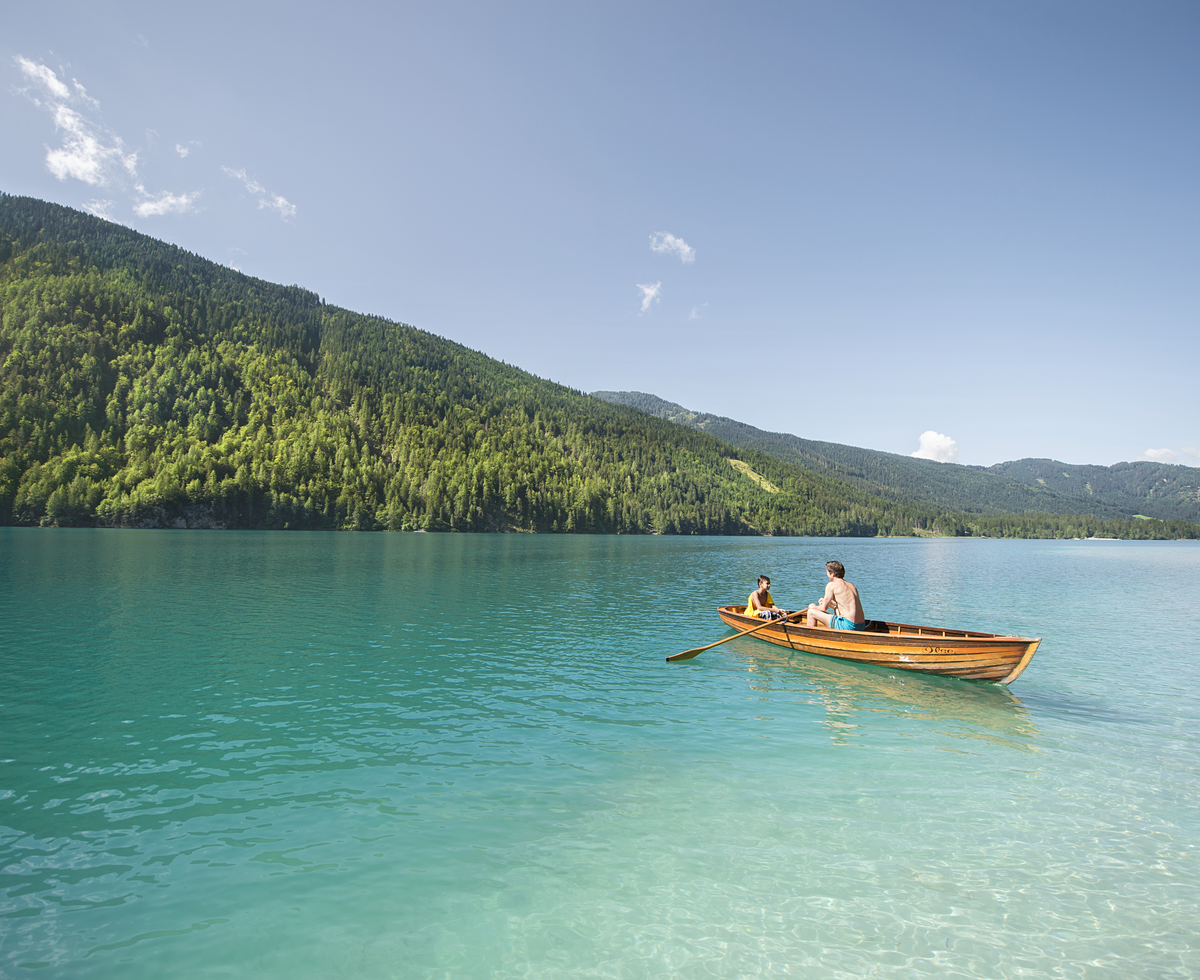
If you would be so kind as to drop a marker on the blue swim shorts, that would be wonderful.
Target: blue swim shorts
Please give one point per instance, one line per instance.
(842, 623)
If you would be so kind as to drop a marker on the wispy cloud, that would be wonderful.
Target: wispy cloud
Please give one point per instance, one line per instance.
(281, 204)
(164, 203)
(101, 209)
(274, 201)
(1187, 456)
(936, 446)
(650, 291)
(44, 77)
(183, 151)
(82, 94)
(697, 311)
(88, 152)
(253, 186)
(667, 243)
(84, 154)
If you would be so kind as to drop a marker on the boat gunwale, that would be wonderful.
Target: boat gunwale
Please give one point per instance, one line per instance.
(934, 632)
(968, 655)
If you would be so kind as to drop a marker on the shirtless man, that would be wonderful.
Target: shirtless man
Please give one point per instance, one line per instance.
(843, 597)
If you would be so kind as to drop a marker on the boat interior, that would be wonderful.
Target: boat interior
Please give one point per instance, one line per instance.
(900, 629)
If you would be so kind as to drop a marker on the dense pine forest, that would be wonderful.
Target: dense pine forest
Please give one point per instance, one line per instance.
(1153, 489)
(1027, 486)
(144, 386)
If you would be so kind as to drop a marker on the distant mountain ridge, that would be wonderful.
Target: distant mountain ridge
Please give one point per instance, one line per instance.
(1141, 487)
(1025, 486)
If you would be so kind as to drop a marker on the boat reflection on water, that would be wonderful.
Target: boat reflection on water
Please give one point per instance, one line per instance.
(860, 698)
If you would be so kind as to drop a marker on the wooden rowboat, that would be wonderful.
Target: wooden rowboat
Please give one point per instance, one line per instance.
(901, 646)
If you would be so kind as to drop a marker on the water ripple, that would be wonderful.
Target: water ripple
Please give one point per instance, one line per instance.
(277, 755)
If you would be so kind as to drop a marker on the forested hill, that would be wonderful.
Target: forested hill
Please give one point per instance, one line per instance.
(145, 386)
(1154, 489)
(1026, 486)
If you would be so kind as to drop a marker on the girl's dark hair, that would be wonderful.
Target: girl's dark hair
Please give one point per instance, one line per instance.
(764, 578)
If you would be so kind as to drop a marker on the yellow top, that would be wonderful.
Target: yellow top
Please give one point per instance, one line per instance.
(751, 611)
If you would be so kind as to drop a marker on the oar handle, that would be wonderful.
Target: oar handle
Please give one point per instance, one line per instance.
(688, 654)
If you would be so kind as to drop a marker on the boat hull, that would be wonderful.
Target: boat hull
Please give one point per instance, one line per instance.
(902, 646)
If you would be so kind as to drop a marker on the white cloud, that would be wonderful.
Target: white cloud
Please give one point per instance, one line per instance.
(274, 201)
(667, 243)
(182, 150)
(45, 77)
(1160, 455)
(650, 293)
(164, 203)
(1187, 456)
(253, 186)
(938, 447)
(697, 311)
(82, 93)
(88, 153)
(281, 204)
(101, 209)
(84, 154)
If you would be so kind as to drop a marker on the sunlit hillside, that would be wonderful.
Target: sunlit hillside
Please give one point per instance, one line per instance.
(145, 386)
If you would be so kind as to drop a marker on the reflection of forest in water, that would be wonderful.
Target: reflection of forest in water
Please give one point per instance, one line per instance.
(858, 698)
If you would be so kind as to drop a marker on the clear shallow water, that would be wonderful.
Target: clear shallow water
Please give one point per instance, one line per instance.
(337, 755)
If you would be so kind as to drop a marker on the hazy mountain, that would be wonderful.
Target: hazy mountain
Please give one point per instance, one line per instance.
(1154, 489)
(1024, 486)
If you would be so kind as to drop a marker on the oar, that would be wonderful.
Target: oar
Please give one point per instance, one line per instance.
(688, 654)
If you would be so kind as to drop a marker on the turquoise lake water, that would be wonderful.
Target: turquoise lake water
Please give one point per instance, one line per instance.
(415, 755)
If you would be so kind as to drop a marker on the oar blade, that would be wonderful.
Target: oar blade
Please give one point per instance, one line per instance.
(688, 654)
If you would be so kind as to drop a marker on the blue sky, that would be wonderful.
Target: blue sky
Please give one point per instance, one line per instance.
(857, 222)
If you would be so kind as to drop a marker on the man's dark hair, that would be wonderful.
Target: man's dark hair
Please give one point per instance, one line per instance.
(764, 578)
(836, 569)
